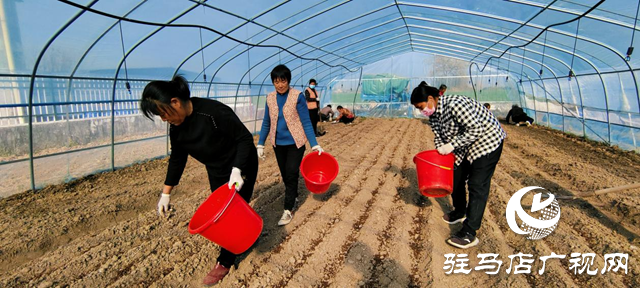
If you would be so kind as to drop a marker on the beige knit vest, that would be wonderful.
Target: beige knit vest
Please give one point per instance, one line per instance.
(291, 117)
(315, 96)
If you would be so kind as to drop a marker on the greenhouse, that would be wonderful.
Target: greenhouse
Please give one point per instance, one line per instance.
(86, 147)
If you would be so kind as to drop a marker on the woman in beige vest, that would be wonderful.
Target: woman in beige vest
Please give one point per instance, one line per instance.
(286, 121)
(313, 98)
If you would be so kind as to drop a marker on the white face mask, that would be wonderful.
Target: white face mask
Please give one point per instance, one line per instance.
(312, 86)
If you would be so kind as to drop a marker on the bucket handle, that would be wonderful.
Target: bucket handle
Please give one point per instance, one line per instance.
(434, 164)
(227, 206)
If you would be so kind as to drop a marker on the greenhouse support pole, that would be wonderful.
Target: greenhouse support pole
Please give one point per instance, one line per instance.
(584, 128)
(606, 103)
(533, 94)
(561, 106)
(546, 99)
(32, 84)
(353, 106)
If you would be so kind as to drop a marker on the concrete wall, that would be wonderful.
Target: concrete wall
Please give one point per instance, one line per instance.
(65, 135)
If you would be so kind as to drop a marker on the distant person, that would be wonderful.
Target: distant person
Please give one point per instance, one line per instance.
(519, 116)
(487, 105)
(211, 133)
(463, 127)
(313, 98)
(442, 90)
(345, 115)
(286, 122)
(326, 113)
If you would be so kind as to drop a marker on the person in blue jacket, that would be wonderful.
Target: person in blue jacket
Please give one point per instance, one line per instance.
(286, 122)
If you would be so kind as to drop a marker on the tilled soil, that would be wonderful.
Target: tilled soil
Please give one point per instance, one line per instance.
(372, 228)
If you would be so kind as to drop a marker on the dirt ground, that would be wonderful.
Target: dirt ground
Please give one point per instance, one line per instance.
(372, 228)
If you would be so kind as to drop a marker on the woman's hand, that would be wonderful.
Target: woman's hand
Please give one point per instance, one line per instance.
(445, 149)
(261, 152)
(163, 205)
(236, 179)
(318, 149)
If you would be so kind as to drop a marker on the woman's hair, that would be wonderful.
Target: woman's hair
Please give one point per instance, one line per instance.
(281, 72)
(157, 95)
(312, 81)
(422, 93)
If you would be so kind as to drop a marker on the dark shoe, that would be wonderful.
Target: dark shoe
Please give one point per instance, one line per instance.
(463, 240)
(215, 275)
(453, 218)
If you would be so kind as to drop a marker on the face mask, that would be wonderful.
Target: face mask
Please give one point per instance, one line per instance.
(312, 86)
(428, 111)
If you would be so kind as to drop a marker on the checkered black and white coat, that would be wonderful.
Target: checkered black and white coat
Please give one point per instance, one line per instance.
(467, 125)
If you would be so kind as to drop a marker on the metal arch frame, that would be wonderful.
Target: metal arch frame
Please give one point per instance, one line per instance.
(363, 48)
(375, 44)
(371, 59)
(404, 20)
(483, 30)
(32, 83)
(342, 38)
(494, 17)
(559, 89)
(593, 17)
(278, 33)
(392, 45)
(305, 39)
(555, 76)
(344, 46)
(470, 27)
(354, 34)
(86, 52)
(593, 66)
(486, 39)
(221, 55)
(227, 33)
(533, 51)
(473, 36)
(75, 69)
(490, 40)
(598, 43)
(357, 32)
(115, 76)
(271, 29)
(326, 44)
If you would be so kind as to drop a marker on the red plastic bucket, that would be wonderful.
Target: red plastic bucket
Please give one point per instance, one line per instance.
(435, 173)
(227, 220)
(319, 171)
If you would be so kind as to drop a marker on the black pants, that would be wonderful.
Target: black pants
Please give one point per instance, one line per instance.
(315, 117)
(346, 120)
(523, 118)
(250, 173)
(478, 176)
(325, 117)
(289, 158)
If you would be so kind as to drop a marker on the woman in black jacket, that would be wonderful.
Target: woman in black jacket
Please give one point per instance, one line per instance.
(211, 133)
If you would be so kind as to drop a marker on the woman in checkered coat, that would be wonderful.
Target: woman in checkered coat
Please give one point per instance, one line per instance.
(464, 127)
